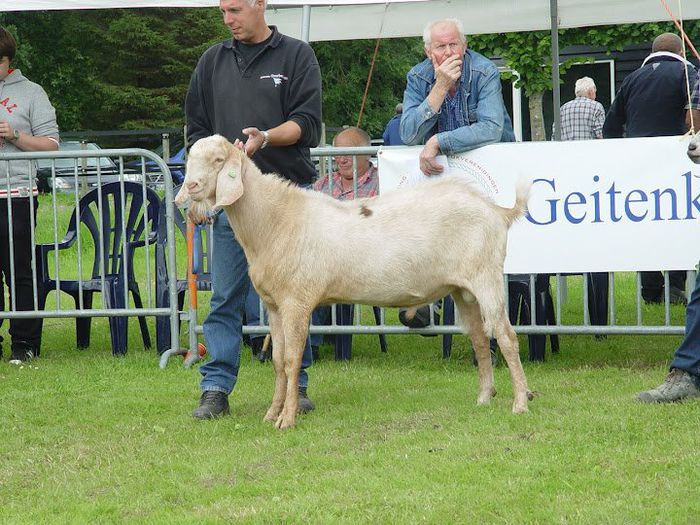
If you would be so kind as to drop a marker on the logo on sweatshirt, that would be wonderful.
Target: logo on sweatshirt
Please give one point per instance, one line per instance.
(6, 103)
(277, 78)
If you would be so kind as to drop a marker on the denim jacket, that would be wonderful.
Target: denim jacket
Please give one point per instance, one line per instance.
(485, 120)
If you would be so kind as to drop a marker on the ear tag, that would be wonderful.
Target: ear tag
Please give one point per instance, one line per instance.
(232, 174)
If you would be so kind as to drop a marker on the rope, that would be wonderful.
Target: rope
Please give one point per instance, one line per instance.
(371, 67)
(684, 40)
(680, 28)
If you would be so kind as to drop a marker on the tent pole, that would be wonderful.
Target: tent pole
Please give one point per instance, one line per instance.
(305, 22)
(556, 96)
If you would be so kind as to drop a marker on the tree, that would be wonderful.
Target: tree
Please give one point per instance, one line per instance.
(529, 54)
(345, 66)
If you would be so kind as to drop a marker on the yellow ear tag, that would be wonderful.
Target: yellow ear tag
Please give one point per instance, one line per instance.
(232, 174)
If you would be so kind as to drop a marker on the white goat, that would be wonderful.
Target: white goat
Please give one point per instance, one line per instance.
(406, 248)
(694, 150)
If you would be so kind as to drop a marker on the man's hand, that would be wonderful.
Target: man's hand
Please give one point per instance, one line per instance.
(448, 73)
(6, 131)
(254, 142)
(428, 164)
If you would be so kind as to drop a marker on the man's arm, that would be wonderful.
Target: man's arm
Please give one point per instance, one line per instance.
(417, 119)
(598, 120)
(305, 99)
(488, 127)
(303, 125)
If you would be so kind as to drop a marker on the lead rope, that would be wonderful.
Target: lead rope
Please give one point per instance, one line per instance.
(371, 67)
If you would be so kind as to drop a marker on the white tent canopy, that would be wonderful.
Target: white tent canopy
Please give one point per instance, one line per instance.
(350, 19)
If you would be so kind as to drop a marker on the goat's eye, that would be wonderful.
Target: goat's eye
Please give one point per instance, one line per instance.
(219, 160)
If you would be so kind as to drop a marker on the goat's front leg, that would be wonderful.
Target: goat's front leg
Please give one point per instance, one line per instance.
(278, 351)
(508, 341)
(471, 319)
(295, 322)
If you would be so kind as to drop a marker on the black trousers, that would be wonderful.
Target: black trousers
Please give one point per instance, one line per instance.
(25, 330)
(653, 284)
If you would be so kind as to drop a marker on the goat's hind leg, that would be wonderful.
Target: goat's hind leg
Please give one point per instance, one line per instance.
(474, 327)
(278, 351)
(508, 342)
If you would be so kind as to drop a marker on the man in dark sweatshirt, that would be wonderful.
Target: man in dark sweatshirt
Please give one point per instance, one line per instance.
(652, 102)
(262, 91)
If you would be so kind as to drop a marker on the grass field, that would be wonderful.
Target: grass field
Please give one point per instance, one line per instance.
(395, 438)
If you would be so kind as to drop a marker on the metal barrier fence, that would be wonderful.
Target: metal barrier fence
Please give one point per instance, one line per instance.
(82, 175)
(639, 326)
(123, 245)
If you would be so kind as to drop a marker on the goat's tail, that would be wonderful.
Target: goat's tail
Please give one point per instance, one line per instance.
(522, 193)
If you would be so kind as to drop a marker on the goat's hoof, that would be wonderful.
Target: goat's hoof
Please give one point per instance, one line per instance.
(485, 397)
(285, 422)
(519, 408)
(271, 415)
(483, 400)
(530, 395)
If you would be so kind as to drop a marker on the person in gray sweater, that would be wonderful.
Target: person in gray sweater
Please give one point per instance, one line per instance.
(27, 123)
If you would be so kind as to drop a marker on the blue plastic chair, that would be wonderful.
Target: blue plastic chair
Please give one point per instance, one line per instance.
(121, 225)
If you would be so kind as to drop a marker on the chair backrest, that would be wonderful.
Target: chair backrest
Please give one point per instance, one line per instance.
(116, 217)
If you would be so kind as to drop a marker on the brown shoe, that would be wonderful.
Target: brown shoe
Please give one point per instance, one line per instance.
(678, 386)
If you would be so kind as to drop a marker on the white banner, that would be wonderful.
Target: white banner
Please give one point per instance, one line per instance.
(595, 206)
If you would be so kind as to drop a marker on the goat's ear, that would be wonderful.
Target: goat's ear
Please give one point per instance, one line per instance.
(182, 195)
(229, 183)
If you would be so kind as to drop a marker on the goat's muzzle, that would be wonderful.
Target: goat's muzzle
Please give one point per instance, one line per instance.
(694, 150)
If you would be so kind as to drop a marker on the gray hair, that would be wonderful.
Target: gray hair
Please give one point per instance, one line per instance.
(427, 37)
(583, 86)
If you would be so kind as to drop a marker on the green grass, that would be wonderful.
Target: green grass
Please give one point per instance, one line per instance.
(395, 438)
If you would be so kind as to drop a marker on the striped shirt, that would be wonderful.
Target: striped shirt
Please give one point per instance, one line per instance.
(582, 119)
(695, 94)
(367, 185)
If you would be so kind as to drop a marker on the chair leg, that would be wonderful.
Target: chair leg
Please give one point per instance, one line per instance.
(378, 320)
(142, 319)
(343, 342)
(448, 318)
(118, 326)
(83, 324)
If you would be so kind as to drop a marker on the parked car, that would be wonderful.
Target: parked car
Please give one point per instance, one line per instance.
(154, 176)
(86, 169)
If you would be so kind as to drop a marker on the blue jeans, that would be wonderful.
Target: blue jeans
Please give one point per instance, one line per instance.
(687, 356)
(223, 327)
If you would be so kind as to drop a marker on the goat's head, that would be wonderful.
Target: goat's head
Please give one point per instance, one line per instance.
(694, 150)
(213, 174)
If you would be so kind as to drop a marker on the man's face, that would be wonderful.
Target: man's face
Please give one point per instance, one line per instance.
(445, 42)
(344, 162)
(242, 19)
